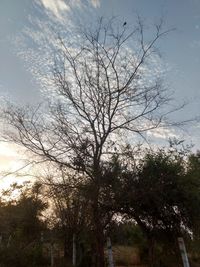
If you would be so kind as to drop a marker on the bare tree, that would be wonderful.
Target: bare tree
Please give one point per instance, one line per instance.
(103, 93)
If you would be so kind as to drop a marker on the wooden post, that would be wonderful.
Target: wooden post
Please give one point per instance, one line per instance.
(110, 254)
(183, 252)
(42, 237)
(9, 241)
(52, 254)
(74, 250)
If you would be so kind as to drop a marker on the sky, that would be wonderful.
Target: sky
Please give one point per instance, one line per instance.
(25, 35)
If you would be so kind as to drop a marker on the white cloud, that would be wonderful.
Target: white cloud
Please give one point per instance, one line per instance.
(163, 133)
(95, 3)
(57, 7)
(195, 44)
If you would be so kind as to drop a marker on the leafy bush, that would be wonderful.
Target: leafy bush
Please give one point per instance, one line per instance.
(17, 257)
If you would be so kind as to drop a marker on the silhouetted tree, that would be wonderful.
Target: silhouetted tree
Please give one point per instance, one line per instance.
(161, 195)
(21, 224)
(104, 92)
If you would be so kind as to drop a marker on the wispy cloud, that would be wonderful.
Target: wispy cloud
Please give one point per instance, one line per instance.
(38, 40)
(95, 3)
(59, 7)
(55, 7)
(39, 53)
(163, 133)
(195, 44)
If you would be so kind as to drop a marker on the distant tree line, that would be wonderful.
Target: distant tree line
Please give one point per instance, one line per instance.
(146, 205)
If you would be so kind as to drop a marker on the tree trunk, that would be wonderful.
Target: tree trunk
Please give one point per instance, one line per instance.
(99, 239)
(65, 246)
(100, 259)
(151, 251)
(98, 223)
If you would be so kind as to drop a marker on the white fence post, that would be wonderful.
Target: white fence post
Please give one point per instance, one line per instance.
(110, 253)
(183, 252)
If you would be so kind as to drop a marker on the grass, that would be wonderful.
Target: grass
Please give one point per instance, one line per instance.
(126, 256)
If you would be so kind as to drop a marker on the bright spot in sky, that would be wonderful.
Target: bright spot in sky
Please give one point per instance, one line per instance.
(10, 162)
